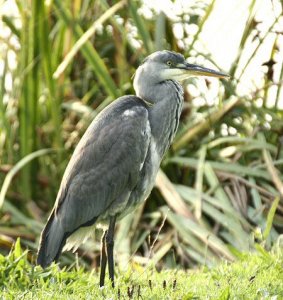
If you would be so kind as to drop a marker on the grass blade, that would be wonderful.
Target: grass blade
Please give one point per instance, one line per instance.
(89, 52)
(86, 36)
(270, 218)
(271, 169)
(208, 238)
(18, 166)
(199, 182)
(47, 65)
(204, 124)
(171, 196)
(140, 24)
(202, 23)
(226, 167)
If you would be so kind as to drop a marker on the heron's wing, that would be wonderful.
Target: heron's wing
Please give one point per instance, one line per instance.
(106, 164)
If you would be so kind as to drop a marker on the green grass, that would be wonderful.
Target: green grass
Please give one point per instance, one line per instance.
(253, 276)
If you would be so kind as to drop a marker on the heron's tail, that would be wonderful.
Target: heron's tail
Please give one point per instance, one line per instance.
(51, 243)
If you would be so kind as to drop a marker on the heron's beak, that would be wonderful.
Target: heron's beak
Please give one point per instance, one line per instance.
(195, 70)
(185, 70)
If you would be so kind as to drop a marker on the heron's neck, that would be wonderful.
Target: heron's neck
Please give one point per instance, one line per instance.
(165, 111)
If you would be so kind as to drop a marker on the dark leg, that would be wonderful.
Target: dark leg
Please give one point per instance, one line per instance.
(110, 245)
(103, 260)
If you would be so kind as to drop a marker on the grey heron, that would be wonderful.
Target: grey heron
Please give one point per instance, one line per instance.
(114, 166)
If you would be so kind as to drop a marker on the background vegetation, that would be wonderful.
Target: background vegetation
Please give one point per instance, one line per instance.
(220, 187)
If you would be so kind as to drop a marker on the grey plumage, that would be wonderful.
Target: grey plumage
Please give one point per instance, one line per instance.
(114, 166)
(100, 176)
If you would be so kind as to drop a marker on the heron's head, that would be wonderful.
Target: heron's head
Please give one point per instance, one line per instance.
(168, 65)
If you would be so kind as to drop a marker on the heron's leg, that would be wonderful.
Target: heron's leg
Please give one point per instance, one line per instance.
(103, 260)
(110, 245)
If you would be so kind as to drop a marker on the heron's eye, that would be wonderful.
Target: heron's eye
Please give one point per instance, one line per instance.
(169, 63)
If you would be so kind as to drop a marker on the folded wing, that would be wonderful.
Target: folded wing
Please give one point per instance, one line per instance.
(101, 174)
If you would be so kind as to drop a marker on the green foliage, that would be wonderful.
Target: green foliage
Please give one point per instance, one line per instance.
(270, 218)
(222, 178)
(255, 276)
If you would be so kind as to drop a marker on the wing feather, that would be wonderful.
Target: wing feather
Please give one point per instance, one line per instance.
(105, 166)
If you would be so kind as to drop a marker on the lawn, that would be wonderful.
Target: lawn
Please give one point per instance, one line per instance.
(252, 276)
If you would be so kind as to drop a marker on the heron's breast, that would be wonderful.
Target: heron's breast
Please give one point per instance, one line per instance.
(147, 177)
